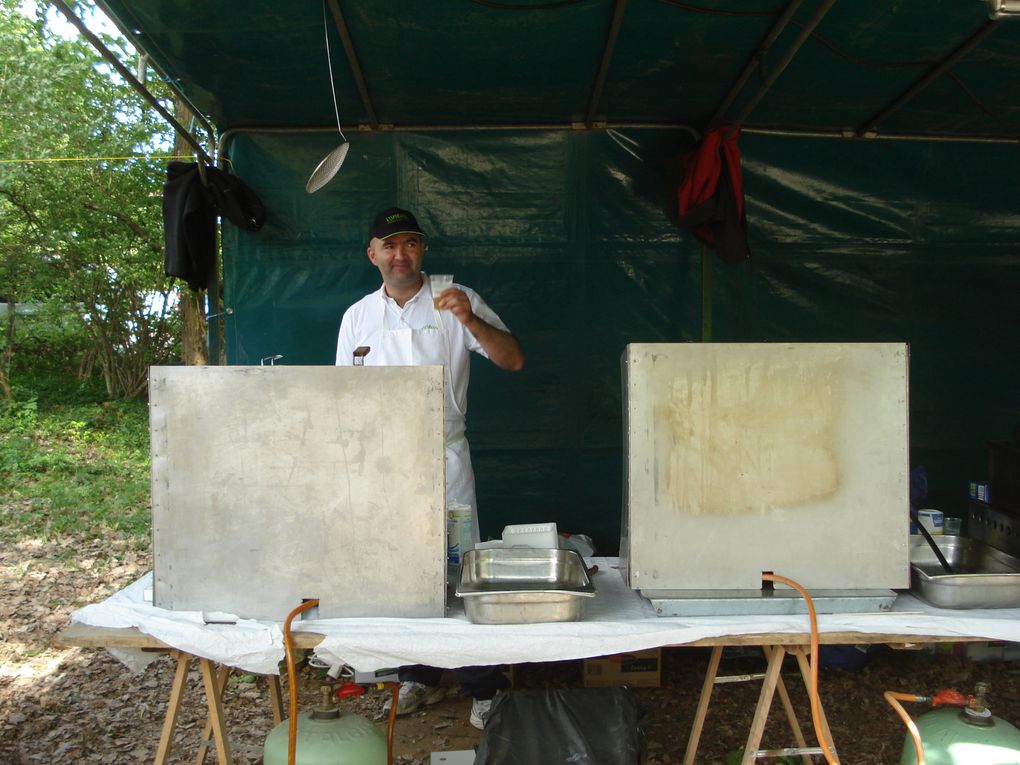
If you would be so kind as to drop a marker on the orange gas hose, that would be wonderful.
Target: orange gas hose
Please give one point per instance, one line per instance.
(813, 663)
(894, 699)
(395, 691)
(288, 647)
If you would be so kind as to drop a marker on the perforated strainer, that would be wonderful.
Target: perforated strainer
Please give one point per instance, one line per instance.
(330, 164)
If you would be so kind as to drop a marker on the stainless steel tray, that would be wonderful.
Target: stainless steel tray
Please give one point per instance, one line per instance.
(523, 585)
(984, 577)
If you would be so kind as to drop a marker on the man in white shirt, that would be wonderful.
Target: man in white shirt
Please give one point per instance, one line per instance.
(403, 323)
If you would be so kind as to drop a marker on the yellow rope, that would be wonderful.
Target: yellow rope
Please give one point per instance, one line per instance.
(96, 159)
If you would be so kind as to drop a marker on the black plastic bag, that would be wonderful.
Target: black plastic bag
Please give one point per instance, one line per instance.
(579, 726)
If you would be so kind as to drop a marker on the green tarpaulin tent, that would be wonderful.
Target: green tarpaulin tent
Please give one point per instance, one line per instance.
(534, 141)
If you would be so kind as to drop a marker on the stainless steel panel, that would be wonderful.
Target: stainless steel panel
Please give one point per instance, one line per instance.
(275, 484)
(769, 602)
(743, 458)
(983, 576)
(993, 526)
(523, 585)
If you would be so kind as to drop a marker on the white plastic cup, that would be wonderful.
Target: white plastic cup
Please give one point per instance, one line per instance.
(438, 283)
(458, 532)
(932, 520)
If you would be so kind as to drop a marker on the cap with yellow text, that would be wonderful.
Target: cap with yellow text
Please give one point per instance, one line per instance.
(393, 221)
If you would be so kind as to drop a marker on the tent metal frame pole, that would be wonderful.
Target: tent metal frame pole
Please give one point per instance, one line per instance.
(707, 292)
(755, 61)
(619, 7)
(164, 77)
(930, 76)
(355, 64)
(845, 135)
(143, 91)
(854, 136)
(783, 62)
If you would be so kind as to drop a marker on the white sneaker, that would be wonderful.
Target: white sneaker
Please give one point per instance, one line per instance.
(480, 709)
(413, 696)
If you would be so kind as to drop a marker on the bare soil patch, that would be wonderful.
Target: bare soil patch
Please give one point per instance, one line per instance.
(83, 706)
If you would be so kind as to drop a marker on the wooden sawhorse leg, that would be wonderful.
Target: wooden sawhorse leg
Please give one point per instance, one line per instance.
(213, 694)
(772, 682)
(166, 738)
(275, 698)
(214, 701)
(702, 712)
(801, 653)
(203, 747)
(784, 697)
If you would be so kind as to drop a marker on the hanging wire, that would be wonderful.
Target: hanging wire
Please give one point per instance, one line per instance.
(871, 63)
(329, 62)
(978, 102)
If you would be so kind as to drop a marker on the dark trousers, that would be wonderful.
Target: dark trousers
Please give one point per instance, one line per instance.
(477, 682)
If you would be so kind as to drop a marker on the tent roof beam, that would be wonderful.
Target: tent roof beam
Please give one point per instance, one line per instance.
(755, 61)
(929, 77)
(352, 58)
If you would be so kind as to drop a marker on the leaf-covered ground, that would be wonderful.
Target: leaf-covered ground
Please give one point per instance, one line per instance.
(82, 706)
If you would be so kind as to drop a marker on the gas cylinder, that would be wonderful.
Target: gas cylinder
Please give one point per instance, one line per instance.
(968, 736)
(327, 736)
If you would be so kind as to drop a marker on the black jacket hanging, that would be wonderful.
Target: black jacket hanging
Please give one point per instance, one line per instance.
(189, 218)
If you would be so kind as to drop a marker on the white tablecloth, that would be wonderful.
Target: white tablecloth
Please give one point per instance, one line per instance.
(618, 619)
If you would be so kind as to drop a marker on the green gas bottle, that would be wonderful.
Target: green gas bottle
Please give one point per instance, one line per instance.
(953, 736)
(327, 736)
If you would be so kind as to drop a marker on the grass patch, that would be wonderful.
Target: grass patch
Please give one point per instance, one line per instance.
(70, 461)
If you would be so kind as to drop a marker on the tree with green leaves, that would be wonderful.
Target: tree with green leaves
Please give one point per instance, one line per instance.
(80, 203)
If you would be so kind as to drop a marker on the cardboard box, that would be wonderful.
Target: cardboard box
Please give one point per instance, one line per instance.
(639, 669)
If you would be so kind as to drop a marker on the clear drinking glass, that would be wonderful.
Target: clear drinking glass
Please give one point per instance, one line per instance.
(439, 283)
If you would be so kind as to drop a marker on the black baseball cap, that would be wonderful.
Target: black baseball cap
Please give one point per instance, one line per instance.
(393, 221)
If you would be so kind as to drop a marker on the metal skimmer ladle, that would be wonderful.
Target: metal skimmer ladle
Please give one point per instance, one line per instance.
(328, 167)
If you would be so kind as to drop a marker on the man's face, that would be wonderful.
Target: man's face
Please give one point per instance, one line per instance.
(398, 259)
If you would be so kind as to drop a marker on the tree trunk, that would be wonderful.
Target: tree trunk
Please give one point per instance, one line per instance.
(194, 343)
(8, 351)
(194, 339)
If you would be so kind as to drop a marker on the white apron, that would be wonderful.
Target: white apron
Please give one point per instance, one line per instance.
(421, 347)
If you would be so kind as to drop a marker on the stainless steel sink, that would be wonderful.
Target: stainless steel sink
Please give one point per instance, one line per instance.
(983, 576)
(523, 585)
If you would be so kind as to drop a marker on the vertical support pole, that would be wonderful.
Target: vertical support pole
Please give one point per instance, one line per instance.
(706, 294)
